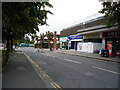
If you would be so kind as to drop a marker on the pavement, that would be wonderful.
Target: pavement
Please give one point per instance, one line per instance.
(89, 55)
(0, 71)
(19, 73)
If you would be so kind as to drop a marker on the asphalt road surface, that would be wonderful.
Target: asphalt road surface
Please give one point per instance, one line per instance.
(75, 72)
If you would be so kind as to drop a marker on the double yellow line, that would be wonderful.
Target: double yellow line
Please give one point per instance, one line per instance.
(55, 85)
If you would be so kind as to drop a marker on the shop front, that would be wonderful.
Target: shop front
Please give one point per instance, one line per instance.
(64, 42)
(89, 47)
(74, 39)
(112, 42)
(92, 43)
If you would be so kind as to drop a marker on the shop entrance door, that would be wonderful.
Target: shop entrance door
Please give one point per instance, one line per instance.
(117, 49)
(75, 46)
(72, 45)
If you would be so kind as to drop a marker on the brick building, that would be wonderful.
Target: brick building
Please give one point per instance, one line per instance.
(72, 30)
(94, 30)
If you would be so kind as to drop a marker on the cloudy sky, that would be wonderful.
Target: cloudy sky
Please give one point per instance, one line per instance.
(68, 12)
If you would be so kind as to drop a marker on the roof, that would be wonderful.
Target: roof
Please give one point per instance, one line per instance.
(89, 19)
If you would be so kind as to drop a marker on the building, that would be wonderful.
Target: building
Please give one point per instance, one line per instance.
(72, 31)
(99, 33)
(64, 41)
(95, 35)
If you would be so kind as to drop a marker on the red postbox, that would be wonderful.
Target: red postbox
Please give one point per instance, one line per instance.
(109, 47)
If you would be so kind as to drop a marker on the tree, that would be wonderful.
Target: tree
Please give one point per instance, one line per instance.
(33, 36)
(49, 35)
(112, 13)
(20, 18)
(24, 17)
(41, 40)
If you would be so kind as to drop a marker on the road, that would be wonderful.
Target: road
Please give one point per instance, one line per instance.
(75, 72)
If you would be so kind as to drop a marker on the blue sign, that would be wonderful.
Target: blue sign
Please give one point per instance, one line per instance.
(75, 37)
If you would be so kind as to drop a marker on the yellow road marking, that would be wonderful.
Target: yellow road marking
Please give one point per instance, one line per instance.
(53, 85)
(43, 74)
(57, 85)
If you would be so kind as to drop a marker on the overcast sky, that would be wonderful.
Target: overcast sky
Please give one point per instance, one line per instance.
(68, 12)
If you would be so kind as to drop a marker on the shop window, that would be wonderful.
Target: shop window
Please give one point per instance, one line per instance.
(93, 40)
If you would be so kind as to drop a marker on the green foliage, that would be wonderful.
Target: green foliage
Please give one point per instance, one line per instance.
(24, 41)
(3, 51)
(32, 42)
(24, 17)
(112, 13)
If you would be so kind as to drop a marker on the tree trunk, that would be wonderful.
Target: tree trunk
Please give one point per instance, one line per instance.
(7, 46)
(11, 46)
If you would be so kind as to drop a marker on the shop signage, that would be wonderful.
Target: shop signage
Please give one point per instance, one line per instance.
(111, 34)
(64, 39)
(75, 37)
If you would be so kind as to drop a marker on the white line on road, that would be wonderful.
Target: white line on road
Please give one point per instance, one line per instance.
(53, 56)
(50, 55)
(73, 61)
(105, 70)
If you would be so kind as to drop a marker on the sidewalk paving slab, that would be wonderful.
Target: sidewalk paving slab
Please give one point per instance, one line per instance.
(19, 73)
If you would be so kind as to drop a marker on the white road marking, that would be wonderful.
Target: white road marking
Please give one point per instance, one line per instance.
(51, 55)
(73, 61)
(105, 70)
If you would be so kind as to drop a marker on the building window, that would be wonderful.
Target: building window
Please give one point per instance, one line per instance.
(99, 40)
